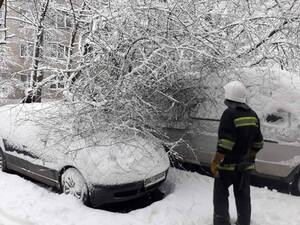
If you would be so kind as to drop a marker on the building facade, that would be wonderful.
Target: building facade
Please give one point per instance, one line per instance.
(21, 26)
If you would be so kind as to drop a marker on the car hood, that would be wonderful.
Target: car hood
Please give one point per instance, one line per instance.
(120, 160)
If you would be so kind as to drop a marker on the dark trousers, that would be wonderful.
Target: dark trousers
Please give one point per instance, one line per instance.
(241, 188)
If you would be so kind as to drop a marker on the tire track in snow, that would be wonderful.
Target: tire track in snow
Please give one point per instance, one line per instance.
(7, 219)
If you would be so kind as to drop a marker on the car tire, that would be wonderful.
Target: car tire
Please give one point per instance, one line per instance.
(72, 182)
(3, 166)
(295, 187)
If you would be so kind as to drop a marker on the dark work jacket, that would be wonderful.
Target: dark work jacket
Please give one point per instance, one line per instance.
(239, 133)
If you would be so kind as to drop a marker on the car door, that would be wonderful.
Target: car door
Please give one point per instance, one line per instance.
(17, 157)
(277, 159)
(32, 162)
(43, 166)
(23, 139)
(194, 148)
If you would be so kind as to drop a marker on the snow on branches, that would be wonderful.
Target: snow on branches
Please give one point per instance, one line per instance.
(135, 64)
(144, 62)
(144, 66)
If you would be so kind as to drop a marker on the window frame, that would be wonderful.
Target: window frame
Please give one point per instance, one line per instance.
(26, 48)
(65, 22)
(57, 85)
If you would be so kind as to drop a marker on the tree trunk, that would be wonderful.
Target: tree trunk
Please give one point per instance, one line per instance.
(37, 76)
(72, 40)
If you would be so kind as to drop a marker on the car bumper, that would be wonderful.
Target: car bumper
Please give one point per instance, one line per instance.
(103, 194)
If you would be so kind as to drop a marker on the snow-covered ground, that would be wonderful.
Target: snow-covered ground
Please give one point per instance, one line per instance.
(188, 201)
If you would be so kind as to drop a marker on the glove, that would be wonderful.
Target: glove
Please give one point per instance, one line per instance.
(218, 158)
(214, 168)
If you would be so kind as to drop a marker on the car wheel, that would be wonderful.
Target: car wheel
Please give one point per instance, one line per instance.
(295, 187)
(3, 166)
(72, 182)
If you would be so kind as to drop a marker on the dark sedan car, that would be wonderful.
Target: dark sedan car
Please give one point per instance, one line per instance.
(112, 170)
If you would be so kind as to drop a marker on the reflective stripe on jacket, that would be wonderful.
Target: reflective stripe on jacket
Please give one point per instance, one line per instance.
(239, 132)
(235, 167)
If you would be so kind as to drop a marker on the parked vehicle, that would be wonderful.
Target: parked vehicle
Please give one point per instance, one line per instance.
(276, 162)
(274, 95)
(114, 170)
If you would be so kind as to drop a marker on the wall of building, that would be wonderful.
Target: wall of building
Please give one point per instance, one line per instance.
(21, 35)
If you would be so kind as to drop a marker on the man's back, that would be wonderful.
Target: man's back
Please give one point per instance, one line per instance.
(240, 125)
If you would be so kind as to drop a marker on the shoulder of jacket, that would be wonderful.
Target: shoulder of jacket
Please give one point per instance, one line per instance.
(253, 112)
(228, 113)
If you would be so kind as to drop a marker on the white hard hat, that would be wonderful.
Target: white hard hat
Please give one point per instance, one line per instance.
(235, 91)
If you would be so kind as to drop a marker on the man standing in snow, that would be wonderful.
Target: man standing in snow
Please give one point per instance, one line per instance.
(239, 139)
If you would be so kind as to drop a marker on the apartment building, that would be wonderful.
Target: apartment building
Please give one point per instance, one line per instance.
(22, 20)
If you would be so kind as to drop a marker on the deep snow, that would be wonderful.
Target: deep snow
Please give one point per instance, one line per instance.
(188, 201)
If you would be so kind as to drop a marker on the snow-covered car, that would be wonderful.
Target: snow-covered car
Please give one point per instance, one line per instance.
(275, 96)
(112, 170)
(275, 162)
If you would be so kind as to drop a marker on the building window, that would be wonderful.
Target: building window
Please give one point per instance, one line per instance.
(60, 20)
(23, 15)
(1, 15)
(61, 1)
(68, 21)
(26, 49)
(52, 50)
(57, 83)
(66, 51)
(63, 21)
(56, 50)
(4, 75)
(62, 51)
(52, 19)
(24, 78)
